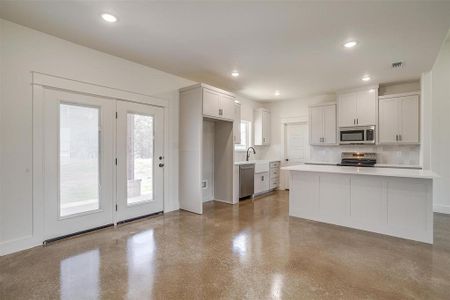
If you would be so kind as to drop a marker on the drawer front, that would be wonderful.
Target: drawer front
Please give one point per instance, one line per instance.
(274, 172)
(274, 164)
(274, 184)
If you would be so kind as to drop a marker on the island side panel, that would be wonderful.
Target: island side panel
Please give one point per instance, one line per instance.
(369, 203)
(400, 207)
(304, 195)
(410, 208)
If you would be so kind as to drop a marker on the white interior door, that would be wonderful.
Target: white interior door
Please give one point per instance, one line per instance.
(78, 162)
(140, 166)
(295, 149)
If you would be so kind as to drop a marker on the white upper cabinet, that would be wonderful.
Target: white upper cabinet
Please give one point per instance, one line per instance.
(262, 127)
(366, 108)
(347, 109)
(237, 124)
(399, 119)
(322, 124)
(329, 124)
(218, 105)
(315, 125)
(388, 122)
(358, 108)
(226, 107)
(210, 103)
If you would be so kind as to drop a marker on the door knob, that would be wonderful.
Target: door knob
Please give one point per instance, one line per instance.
(161, 165)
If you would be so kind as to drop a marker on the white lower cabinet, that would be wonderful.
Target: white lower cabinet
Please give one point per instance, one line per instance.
(274, 175)
(396, 206)
(261, 182)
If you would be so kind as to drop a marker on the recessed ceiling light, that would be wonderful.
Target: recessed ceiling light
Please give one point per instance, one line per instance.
(237, 101)
(277, 93)
(109, 18)
(235, 74)
(365, 78)
(372, 91)
(350, 44)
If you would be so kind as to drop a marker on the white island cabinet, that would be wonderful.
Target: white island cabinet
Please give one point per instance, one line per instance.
(396, 202)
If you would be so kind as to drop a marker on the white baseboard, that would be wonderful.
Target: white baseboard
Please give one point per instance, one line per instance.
(223, 201)
(443, 209)
(17, 245)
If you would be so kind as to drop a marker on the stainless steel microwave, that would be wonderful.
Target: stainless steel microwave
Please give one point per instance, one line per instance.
(357, 135)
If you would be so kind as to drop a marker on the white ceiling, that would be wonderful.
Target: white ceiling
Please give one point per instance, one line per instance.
(294, 47)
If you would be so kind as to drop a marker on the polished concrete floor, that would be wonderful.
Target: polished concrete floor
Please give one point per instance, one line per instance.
(248, 251)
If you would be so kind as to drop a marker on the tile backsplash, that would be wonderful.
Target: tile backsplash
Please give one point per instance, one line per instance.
(398, 155)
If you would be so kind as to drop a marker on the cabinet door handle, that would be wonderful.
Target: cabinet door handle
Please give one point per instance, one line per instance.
(220, 111)
(396, 137)
(354, 121)
(357, 121)
(262, 178)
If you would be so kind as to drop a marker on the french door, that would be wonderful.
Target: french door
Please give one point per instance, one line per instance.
(140, 160)
(101, 161)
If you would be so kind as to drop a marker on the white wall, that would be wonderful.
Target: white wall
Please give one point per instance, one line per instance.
(22, 51)
(289, 110)
(283, 111)
(440, 137)
(208, 159)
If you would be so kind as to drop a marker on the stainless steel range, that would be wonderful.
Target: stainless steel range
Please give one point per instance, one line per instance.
(358, 159)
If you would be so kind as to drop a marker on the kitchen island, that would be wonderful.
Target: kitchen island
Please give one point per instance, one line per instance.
(396, 202)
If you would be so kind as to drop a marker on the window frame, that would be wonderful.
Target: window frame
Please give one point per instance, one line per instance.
(248, 137)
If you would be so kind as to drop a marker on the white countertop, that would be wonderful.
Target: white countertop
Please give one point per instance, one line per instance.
(254, 162)
(389, 172)
(376, 165)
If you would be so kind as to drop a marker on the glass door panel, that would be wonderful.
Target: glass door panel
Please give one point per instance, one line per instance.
(78, 162)
(140, 167)
(139, 158)
(78, 159)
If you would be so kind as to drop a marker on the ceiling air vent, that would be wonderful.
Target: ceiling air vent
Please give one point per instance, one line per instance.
(397, 65)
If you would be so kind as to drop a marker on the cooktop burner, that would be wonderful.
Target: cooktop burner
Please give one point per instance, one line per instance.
(358, 159)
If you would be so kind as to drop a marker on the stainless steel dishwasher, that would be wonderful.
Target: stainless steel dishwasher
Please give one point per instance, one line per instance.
(246, 180)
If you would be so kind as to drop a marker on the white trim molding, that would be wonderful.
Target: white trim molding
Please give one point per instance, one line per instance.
(57, 82)
(440, 208)
(40, 82)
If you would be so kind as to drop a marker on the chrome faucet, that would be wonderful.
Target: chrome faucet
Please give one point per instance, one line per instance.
(248, 154)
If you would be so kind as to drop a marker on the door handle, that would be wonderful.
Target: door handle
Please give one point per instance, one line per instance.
(161, 165)
(357, 121)
(396, 137)
(220, 112)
